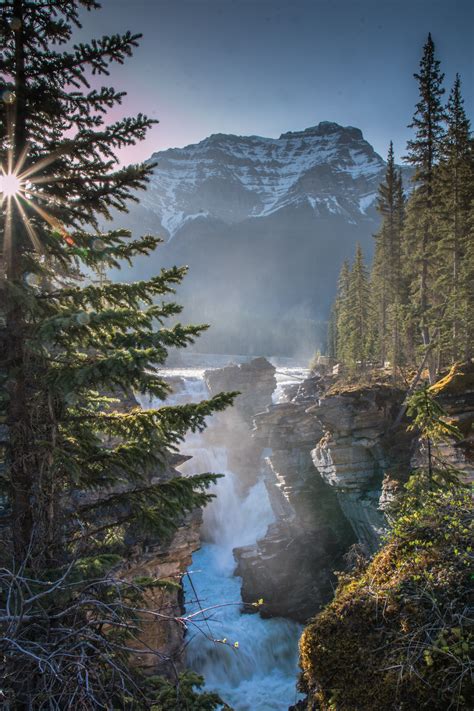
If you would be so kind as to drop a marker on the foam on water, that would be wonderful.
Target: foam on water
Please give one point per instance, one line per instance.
(259, 675)
(286, 377)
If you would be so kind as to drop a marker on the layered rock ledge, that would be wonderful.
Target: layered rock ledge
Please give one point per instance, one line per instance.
(358, 449)
(291, 568)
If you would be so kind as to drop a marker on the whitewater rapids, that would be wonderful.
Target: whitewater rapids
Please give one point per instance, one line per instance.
(256, 668)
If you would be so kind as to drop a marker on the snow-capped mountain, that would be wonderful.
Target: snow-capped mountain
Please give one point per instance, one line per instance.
(232, 178)
(264, 225)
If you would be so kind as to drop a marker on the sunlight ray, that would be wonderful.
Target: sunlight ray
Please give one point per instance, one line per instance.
(44, 179)
(29, 227)
(7, 236)
(50, 219)
(10, 140)
(21, 161)
(44, 162)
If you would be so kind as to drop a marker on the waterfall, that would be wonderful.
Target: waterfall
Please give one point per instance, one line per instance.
(260, 674)
(256, 668)
(287, 377)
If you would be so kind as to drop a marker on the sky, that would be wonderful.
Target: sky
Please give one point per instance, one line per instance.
(264, 67)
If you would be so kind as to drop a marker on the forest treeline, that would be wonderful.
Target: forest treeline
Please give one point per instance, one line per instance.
(416, 302)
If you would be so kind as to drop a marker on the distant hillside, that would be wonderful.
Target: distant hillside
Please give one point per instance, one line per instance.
(264, 225)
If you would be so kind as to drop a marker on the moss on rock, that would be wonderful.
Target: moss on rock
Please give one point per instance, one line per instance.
(397, 634)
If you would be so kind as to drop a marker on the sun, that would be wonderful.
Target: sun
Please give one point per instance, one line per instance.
(20, 191)
(10, 185)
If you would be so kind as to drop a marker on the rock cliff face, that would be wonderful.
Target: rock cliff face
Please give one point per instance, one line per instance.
(325, 459)
(328, 456)
(333, 460)
(292, 567)
(358, 448)
(336, 461)
(255, 381)
(162, 640)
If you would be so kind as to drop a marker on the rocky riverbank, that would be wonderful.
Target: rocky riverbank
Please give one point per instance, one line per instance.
(331, 458)
(335, 457)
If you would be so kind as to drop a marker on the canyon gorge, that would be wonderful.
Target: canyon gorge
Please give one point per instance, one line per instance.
(310, 469)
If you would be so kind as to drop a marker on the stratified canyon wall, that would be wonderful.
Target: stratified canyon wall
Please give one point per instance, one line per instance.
(331, 458)
(292, 567)
(162, 638)
(359, 448)
(336, 455)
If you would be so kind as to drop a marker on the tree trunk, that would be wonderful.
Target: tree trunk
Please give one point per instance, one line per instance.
(17, 414)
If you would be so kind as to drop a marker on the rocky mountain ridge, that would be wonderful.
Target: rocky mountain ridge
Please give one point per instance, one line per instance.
(330, 168)
(264, 225)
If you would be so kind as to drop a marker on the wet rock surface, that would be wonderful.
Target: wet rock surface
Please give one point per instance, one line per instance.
(358, 448)
(255, 381)
(291, 568)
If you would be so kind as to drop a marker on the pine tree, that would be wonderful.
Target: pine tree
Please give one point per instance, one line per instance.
(332, 334)
(455, 188)
(79, 473)
(386, 277)
(357, 318)
(423, 154)
(340, 313)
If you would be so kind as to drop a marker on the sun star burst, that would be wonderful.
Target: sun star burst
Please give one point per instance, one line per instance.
(17, 188)
(10, 185)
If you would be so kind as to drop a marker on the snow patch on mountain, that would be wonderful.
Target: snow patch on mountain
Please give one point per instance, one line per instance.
(331, 168)
(367, 201)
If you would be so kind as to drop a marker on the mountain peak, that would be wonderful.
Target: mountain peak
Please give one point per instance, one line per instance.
(327, 170)
(325, 128)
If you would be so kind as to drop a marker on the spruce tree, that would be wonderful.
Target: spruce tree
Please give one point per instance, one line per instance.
(79, 473)
(455, 188)
(421, 234)
(387, 285)
(341, 312)
(332, 333)
(404, 326)
(358, 314)
(400, 294)
(381, 269)
(350, 324)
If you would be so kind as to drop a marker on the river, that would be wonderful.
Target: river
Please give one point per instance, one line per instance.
(251, 662)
